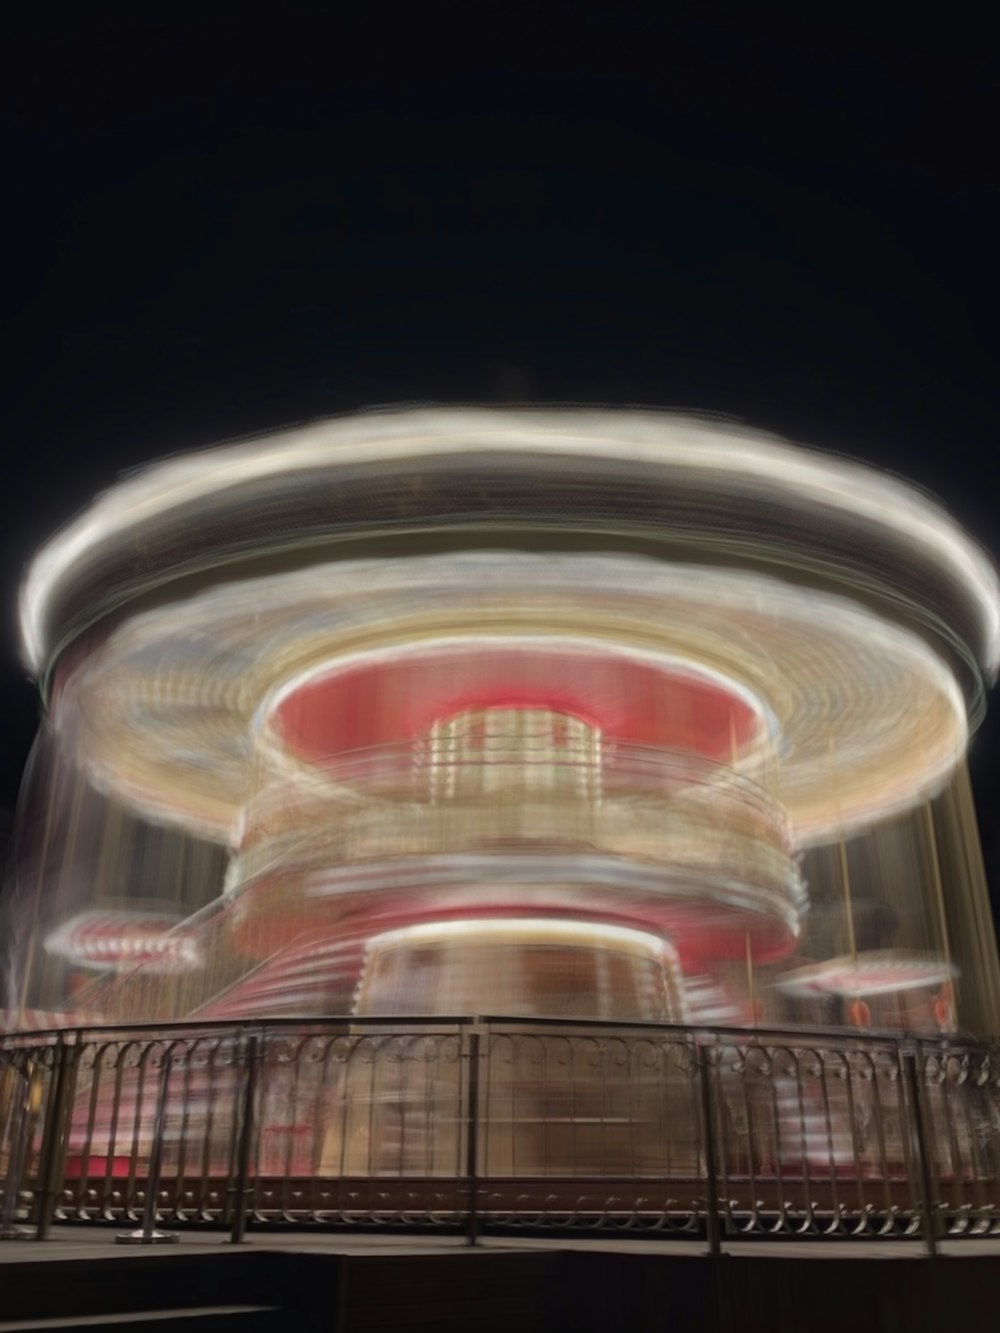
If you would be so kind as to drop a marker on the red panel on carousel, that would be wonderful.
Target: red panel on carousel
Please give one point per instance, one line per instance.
(399, 699)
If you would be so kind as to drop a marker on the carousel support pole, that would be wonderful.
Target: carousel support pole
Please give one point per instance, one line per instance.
(245, 1142)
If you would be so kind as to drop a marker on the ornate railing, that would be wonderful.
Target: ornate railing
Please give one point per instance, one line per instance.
(500, 1124)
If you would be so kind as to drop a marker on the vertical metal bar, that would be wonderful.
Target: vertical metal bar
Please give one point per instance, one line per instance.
(106, 1204)
(803, 1135)
(20, 1122)
(472, 1138)
(831, 1153)
(292, 1117)
(726, 1157)
(205, 1181)
(777, 1138)
(148, 1234)
(56, 1131)
(852, 1119)
(318, 1118)
(377, 1044)
(878, 1122)
(156, 1151)
(712, 1226)
(84, 1164)
(345, 1102)
(190, 1050)
(138, 1108)
(239, 1228)
(753, 1147)
(928, 1217)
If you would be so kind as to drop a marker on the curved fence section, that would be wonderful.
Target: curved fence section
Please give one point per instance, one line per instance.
(499, 1124)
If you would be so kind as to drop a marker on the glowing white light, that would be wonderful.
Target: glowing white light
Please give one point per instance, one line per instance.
(664, 442)
(528, 930)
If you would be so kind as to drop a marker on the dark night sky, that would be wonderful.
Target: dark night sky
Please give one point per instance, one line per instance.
(215, 228)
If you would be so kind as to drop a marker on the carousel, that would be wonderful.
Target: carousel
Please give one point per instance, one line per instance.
(332, 717)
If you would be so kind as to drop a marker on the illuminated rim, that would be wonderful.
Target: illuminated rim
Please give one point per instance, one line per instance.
(170, 712)
(879, 972)
(524, 933)
(528, 930)
(658, 446)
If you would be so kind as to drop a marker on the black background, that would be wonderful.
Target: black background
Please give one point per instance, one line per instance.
(224, 223)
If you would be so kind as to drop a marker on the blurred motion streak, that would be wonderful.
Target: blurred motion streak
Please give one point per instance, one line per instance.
(642, 734)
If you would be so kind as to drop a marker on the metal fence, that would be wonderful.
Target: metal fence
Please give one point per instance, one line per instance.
(500, 1124)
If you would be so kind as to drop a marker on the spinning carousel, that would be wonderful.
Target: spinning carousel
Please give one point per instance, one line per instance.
(585, 714)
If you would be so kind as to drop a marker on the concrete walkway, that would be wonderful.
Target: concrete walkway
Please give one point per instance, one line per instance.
(97, 1242)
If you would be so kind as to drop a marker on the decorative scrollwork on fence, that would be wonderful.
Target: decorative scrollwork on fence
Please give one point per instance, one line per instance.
(528, 1123)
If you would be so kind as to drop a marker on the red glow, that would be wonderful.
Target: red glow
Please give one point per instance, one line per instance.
(699, 930)
(395, 700)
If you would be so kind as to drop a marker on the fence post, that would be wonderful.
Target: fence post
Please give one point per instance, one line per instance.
(712, 1224)
(239, 1227)
(53, 1150)
(19, 1122)
(928, 1202)
(148, 1234)
(472, 1137)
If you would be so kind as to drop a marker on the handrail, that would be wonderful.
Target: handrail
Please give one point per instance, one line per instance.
(487, 1121)
(240, 1025)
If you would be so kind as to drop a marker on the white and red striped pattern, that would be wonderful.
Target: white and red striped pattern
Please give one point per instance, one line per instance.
(44, 1020)
(124, 939)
